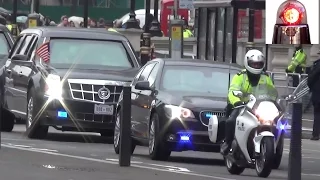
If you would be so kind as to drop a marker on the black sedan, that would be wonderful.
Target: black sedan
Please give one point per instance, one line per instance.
(74, 88)
(171, 103)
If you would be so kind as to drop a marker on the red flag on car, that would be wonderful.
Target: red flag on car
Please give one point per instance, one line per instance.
(43, 52)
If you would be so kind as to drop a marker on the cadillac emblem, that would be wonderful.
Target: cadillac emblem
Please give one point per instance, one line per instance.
(104, 93)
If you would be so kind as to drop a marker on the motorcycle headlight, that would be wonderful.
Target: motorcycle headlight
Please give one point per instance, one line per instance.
(53, 86)
(179, 112)
(267, 112)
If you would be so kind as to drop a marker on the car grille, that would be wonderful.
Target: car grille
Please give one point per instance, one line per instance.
(205, 116)
(87, 90)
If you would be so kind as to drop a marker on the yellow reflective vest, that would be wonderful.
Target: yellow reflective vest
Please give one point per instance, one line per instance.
(299, 59)
(112, 30)
(240, 82)
(187, 33)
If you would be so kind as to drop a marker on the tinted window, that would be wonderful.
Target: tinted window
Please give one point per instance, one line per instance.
(202, 80)
(88, 54)
(4, 46)
(146, 72)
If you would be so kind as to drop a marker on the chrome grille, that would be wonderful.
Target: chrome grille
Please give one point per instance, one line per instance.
(87, 90)
(205, 115)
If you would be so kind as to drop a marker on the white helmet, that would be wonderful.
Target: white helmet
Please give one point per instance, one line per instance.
(254, 61)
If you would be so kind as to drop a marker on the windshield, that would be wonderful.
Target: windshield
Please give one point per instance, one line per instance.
(88, 54)
(265, 92)
(201, 80)
(4, 47)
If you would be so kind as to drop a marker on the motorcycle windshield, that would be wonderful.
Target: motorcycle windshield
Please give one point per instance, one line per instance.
(265, 92)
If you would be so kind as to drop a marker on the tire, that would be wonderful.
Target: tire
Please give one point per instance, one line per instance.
(232, 167)
(116, 136)
(34, 129)
(7, 120)
(264, 168)
(279, 152)
(157, 146)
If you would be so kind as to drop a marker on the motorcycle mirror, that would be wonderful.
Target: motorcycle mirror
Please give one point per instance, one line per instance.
(237, 93)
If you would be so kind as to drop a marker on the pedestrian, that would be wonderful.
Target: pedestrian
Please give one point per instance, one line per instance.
(297, 64)
(101, 23)
(72, 24)
(93, 23)
(64, 21)
(314, 85)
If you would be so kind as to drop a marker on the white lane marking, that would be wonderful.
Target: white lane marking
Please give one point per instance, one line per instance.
(318, 175)
(172, 168)
(23, 146)
(115, 163)
(30, 147)
(310, 120)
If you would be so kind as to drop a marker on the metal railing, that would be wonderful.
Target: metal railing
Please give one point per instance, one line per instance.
(288, 93)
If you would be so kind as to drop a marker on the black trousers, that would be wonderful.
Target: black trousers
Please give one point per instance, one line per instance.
(316, 121)
(231, 125)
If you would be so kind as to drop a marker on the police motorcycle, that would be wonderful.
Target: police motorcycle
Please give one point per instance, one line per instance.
(259, 133)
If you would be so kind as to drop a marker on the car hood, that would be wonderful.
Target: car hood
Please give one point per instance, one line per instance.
(116, 75)
(193, 101)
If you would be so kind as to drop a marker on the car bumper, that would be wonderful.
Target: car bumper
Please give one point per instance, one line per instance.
(76, 115)
(192, 135)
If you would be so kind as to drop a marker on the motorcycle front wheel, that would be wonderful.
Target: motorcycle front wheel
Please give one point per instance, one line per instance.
(279, 151)
(264, 162)
(232, 167)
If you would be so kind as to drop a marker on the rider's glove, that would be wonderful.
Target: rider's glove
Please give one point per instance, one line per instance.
(239, 103)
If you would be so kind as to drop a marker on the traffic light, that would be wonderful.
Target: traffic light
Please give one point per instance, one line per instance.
(291, 25)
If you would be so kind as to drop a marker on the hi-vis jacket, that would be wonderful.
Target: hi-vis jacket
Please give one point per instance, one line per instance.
(298, 62)
(240, 82)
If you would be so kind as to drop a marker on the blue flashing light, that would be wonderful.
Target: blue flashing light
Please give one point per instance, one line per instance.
(209, 115)
(184, 138)
(62, 114)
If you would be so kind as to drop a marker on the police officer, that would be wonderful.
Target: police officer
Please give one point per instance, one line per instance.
(297, 64)
(244, 81)
(186, 31)
(314, 85)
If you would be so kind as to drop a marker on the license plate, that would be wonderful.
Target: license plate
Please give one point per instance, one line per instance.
(103, 109)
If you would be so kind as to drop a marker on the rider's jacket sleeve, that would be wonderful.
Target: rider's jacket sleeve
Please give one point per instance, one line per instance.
(235, 85)
(299, 59)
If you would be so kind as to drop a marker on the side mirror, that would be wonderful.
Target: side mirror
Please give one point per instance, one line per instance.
(237, 93)
(19, 57)
(143, 85)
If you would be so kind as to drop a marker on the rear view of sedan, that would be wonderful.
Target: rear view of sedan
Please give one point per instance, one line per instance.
(171, 103)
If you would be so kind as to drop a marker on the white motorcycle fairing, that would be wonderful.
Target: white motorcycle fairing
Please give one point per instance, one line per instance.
(257, 140)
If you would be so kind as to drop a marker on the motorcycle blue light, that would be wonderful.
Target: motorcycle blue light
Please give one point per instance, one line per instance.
(62, 114)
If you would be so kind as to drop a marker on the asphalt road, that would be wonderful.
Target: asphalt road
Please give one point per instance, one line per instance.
(75, 156)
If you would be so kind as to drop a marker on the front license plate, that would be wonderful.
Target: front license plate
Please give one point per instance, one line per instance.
(103, 109)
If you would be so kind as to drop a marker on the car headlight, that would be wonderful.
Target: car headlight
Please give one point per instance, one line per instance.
(179, 112)
(53, 86)
(267, 112)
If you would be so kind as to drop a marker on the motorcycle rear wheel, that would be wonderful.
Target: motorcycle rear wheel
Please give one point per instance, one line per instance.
(265, 163)
(232, 167)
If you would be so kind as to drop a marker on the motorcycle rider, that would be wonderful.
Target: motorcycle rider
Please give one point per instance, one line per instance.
(244, 81)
